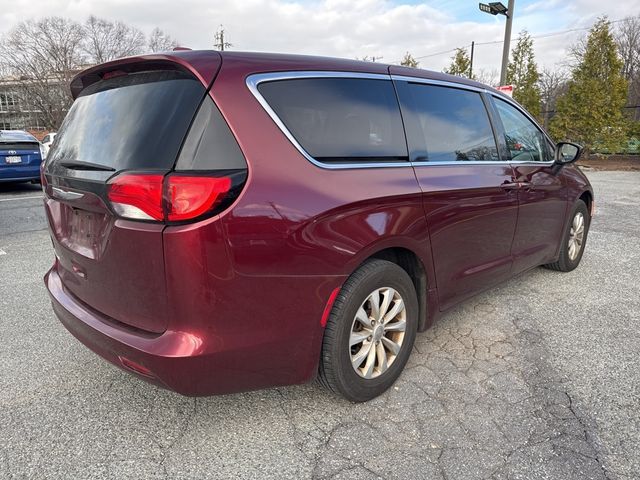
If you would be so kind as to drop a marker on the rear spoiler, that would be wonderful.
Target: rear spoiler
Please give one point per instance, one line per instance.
(202, 64)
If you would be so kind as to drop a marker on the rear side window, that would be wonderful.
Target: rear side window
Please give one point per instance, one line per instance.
(210, 144)
(340, 119)
(447, 124)
(134, 121)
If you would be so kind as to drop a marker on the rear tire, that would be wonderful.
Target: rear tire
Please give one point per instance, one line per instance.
(574, 239)
(382, 336)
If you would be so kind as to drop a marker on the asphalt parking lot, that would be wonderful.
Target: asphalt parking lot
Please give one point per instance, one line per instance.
(538, 378)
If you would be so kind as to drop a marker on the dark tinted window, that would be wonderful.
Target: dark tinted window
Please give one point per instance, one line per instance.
(447, 124)
(525, 141)
(130, 121)
(340, 119)
(210, 145)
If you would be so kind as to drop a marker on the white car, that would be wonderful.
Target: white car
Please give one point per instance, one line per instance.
(46, 143)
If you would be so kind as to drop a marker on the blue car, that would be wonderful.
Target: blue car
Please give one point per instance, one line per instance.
(20, 156)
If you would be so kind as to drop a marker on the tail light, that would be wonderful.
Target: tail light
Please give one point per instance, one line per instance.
(173, 198)
(43, 177)
(137, 196)
(190, 197)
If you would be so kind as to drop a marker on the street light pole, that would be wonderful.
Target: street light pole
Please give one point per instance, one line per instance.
(507, 41)
(497, 8)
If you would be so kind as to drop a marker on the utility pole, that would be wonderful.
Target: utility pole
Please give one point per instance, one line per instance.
(471, 60)
(507, 41)
(220, 44)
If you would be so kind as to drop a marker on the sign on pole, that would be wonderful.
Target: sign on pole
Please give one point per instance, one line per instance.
(506, 89)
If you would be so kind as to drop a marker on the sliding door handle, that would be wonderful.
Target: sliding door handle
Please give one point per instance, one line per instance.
(516, 185)
(510, 186)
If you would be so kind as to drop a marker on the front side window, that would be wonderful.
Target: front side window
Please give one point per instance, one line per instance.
(340, 119)
(525, 142)
(447, 124)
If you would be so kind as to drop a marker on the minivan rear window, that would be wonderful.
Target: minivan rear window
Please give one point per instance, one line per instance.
(130, 121)
(340, 119)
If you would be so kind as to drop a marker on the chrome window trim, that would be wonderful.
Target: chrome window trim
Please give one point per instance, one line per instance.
(440, 83)
(256, 79)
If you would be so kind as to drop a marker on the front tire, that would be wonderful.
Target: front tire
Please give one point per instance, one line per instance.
(370, 332)
(574, 239)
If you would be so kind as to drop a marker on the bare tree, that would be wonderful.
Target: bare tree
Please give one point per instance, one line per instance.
(106, 40)
(44, 56)
(553, 83)
(160, 41)
(575, 53)
(628, 40)
(488, 77)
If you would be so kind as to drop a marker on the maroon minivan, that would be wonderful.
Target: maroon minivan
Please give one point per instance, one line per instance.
(229, 221)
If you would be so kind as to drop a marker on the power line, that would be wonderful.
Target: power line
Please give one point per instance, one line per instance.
(541, 35)
(437, 53)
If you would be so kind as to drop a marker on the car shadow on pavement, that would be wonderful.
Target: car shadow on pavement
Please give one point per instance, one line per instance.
(18, 188)
(478, 399)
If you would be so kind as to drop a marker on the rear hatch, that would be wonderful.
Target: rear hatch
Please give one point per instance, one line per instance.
(129, 122)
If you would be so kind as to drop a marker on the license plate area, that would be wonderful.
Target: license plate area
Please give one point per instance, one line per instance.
(13, 159)
(82, 228)
(84, 232)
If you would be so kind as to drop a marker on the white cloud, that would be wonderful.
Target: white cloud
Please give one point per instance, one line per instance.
(345, 28)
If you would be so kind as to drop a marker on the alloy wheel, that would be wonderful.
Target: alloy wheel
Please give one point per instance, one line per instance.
(576, 236)
(377, 332)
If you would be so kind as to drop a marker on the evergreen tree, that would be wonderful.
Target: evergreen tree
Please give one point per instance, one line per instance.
(409, 61)
(460, 64)
(590, 112)
(522, 73)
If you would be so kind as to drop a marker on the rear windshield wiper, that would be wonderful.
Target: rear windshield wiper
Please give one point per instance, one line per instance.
(76, 165)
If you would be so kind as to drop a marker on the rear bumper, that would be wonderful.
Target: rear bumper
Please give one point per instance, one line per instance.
(23, 173)
(158, 353)
(189, 363)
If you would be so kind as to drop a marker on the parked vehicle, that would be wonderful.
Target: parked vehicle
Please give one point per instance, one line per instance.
(242, 220)
(46, 143)
(20, 156)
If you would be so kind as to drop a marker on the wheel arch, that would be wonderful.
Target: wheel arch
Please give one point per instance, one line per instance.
(411, 262)
(587, 198)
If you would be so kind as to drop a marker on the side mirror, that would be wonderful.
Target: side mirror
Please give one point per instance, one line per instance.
(567, 152)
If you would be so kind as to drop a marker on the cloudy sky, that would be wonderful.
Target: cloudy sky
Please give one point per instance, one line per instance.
(344, 28)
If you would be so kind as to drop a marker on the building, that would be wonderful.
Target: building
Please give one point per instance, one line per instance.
(16, 112)
(36, 107)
